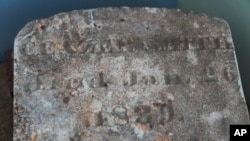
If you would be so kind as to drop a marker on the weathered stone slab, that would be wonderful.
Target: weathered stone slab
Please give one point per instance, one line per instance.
(126, 74)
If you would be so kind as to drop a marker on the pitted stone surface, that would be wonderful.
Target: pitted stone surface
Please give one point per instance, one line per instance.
(126, 74)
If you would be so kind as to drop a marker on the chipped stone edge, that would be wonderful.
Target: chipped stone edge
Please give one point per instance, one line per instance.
(149, 9)
(237, 66)
(236, 61)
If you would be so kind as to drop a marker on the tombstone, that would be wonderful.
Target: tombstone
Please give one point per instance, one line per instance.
(126, 74)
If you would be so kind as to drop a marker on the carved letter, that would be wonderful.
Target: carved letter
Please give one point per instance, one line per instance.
(172, 79)
(99, 81)
(131, 79)
(148, 79)
(210, 75)
(74, 83)
(29, 49)
(229, 74)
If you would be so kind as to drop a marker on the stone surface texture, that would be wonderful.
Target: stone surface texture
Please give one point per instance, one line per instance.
(126, 74)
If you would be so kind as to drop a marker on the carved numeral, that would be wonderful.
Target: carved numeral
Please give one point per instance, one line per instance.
(120, 113)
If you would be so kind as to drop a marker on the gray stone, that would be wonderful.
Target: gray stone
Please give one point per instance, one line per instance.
(126, 74)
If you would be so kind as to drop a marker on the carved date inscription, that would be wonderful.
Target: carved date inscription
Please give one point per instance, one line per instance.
(101, 80)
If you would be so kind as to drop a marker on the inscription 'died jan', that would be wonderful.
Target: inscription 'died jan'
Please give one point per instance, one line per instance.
(101, 80)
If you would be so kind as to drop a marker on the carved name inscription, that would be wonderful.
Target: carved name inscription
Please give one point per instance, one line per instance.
(85, 46)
